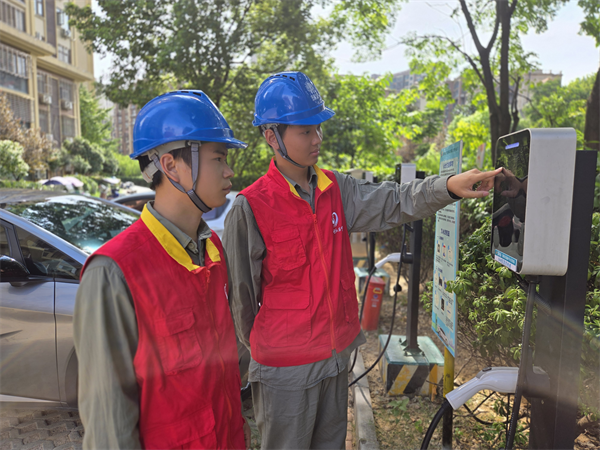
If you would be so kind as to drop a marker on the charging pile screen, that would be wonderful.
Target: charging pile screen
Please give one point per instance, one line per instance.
(510, 200)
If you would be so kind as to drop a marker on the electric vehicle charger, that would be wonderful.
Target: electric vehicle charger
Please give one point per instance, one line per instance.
(507, 380)
(390, 258)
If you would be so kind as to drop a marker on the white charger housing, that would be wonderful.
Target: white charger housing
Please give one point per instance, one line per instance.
(533, 198)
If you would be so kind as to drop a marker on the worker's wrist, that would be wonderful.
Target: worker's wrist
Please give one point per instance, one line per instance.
(452, 194)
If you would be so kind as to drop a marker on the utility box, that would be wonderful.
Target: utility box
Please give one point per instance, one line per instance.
(405, 372)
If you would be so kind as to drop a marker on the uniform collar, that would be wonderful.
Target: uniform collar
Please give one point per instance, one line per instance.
(172, 245)
(323, 182)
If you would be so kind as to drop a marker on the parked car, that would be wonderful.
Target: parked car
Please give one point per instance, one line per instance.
(214, 218)
(45, 238)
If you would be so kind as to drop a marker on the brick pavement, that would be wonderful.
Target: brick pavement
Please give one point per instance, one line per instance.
(23, 429)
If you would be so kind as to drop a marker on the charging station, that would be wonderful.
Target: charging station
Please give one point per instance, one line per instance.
(547, 187)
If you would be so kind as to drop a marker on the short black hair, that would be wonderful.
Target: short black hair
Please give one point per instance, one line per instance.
(184, 153)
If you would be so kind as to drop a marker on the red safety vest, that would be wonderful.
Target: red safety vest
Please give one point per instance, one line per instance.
(308, 300)
(186, 362)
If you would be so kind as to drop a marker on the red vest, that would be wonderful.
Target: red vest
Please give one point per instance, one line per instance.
(308, 300)
(186, 362)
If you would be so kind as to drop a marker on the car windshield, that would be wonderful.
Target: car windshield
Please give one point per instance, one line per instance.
(81, 221)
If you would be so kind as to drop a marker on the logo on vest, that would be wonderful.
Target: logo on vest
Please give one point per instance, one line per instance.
(335, 220)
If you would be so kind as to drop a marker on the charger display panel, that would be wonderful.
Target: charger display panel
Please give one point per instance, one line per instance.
(510, 199)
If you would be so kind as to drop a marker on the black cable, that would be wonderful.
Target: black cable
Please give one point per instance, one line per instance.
(446, 406)
(393, 317)
(507, 416)
(531, 291)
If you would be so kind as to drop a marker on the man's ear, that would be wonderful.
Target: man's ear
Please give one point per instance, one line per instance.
(271, 139)
(170, 167)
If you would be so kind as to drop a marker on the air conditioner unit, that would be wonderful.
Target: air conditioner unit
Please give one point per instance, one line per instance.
(65, 33)
(40, 37)
(45, 99)
(66, 104)
(50, 137)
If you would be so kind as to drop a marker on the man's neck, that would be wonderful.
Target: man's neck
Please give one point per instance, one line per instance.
(297, 174)
(179, 210)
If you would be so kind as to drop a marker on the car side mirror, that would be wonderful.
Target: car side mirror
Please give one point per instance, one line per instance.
(12, 270)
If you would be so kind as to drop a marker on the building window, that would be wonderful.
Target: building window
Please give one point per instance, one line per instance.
(22, 109)
(12, 16)
(64, 54)
(44, 122)
(62, 20)
(14, 69)
(42, 83)
(66, 90)
(39, 7)
(68, 127)
(66, 96)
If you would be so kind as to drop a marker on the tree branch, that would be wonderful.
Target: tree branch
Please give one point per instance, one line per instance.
(494, 35)
(471, 25)
(457, 48)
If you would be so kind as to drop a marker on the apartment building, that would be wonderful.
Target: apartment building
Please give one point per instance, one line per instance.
(42, 63)
(122, 121)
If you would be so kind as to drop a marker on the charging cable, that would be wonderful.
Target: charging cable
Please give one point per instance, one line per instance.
(392, 257)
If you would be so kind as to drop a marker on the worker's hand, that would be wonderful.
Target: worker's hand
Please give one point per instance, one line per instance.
(463, 183)
(247, 433)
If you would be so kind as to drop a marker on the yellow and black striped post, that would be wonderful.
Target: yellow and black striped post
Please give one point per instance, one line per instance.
(406, 373)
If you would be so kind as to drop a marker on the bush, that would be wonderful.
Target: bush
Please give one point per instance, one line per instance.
(11, 160)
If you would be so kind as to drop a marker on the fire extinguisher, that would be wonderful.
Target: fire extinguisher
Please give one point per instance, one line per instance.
(370, 319)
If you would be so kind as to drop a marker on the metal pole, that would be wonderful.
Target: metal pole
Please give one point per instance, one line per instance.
(414, 284)
(448, 387)
(560, 330)
(412, 307)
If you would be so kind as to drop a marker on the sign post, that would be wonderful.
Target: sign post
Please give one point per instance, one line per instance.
(447, 228)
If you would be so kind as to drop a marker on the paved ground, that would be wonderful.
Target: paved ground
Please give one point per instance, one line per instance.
(40, 430)
(24, 429)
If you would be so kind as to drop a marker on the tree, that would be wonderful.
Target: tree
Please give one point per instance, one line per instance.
(83, 156)
(591, 27)
(499, 63)
(372, 122)
(11, 160)
(226, 48)
(37, 150)
(553, 105)
(160, 45)
(96, 125)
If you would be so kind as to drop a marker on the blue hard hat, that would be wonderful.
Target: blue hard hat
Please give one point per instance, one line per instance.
(179, 116)
(289, 98)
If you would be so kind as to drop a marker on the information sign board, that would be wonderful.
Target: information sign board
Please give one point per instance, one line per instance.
(445, 264)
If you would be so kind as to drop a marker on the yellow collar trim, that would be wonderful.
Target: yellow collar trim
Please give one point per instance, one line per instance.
(292, 188)
(213, 251)
(323, 180)
(172, 245)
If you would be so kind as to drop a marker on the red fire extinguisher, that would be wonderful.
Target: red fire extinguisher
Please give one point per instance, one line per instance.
(375, 289)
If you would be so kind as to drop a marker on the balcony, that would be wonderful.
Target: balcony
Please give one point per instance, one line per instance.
(13, 31)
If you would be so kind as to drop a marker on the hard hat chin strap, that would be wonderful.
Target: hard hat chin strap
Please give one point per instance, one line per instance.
(282, 150)
(192, 192)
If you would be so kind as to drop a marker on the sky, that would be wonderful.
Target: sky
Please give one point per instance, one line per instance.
(559, 49)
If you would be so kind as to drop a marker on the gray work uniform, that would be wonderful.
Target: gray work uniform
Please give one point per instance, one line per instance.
(306, 406)
(106, 337)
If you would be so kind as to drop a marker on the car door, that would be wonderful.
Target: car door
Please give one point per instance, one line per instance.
(27, 324)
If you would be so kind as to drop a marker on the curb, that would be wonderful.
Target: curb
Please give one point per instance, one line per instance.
(364, 422)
